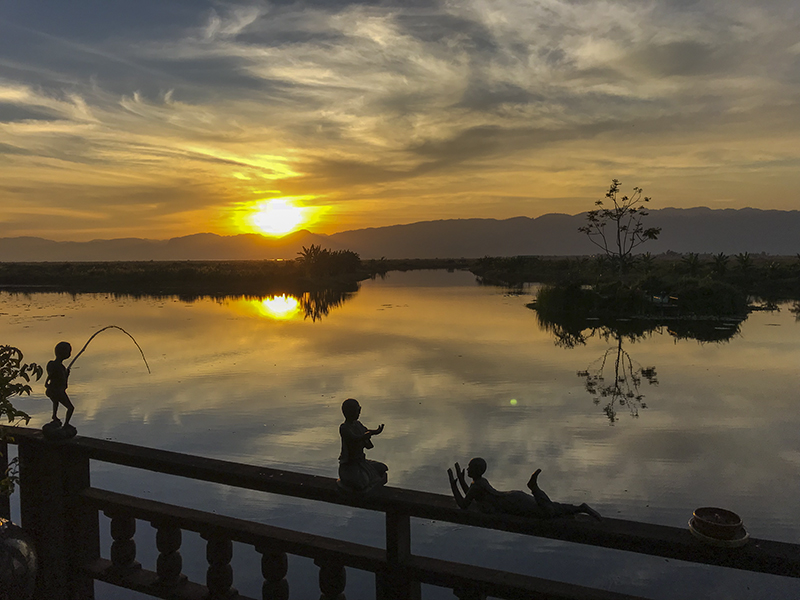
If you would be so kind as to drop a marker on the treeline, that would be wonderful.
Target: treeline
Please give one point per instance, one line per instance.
(318, 261)
(185, 278)
(768, 277)
(314, 270)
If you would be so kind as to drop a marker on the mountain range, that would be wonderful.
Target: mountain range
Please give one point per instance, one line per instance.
(701, 230)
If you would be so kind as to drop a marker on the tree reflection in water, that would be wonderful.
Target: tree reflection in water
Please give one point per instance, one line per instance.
(625, 380)
(311, 305)
(615, 378)
(318, 304)
(315, 305)
(795, 309)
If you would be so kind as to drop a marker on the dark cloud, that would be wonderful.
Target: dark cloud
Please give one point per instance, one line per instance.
(13, 112)
(9, 149)
(271, 37)
(484, 141)
(326, 172)
(478, 96)
(96, 20)
(683, 58)
(203, 79)
(433, 27)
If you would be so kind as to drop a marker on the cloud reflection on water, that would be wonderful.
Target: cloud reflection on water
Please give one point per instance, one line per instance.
(438, 364)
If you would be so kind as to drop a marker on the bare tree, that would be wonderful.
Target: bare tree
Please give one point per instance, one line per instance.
(618, 230)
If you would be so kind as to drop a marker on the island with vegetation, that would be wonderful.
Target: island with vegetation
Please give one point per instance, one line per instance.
(620, 283)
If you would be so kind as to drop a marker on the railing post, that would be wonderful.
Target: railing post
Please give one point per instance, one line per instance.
(393, 584)
(274, 566)
(65, 531)
(332, 579)
(219, 577)
(123, 548)
(170, 562)
(83, 523)
(5, 501)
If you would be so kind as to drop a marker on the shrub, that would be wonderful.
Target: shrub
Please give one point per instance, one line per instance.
(15, 378)
(709, 297)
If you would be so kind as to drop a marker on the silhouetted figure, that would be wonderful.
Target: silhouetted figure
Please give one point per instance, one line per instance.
(56, 389)
(356, 473)
(489, 500)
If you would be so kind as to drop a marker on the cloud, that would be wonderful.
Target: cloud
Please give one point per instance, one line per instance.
(361, 101)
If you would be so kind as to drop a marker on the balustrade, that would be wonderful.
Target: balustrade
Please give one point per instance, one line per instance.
(60, 509)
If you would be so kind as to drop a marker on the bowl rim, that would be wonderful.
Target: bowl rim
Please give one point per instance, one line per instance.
(740, 540)
(729, 514)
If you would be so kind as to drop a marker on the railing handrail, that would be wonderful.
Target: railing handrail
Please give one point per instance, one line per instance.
(765, 556)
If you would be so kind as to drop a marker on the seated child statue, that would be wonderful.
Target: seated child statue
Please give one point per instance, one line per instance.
(356, 472)
(489, 500)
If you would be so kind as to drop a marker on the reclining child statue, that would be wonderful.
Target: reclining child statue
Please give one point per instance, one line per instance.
(536, 505)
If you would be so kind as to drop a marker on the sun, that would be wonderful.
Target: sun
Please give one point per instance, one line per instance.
(277, 216)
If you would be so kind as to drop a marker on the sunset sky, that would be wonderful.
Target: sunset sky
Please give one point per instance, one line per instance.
(161, 119)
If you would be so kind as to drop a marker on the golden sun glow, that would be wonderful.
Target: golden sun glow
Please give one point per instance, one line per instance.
(277, 216)
(278, 307)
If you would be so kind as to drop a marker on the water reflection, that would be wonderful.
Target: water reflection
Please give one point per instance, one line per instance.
(285, 307)
(570, 329)
(311, 305)
(438, 358)
(281, 307)
(615, 377)
(314, 305)
(625, 380)
(319, 304)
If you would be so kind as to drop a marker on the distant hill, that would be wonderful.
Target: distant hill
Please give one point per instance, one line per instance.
(700, 230)
(201, 246)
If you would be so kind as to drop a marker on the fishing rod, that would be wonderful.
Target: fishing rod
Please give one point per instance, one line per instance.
(101, 331)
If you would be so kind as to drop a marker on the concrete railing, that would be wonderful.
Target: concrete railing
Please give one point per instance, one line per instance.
(61, 510)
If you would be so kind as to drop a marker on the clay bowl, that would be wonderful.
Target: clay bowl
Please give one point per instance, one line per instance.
(717, 523)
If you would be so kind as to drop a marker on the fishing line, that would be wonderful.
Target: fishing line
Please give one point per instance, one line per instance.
(101, 331)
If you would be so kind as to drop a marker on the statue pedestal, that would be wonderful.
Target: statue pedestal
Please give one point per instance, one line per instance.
(55, 432)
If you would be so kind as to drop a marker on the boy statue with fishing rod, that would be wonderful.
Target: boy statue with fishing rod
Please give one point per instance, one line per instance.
(57, 382)
(56, 389)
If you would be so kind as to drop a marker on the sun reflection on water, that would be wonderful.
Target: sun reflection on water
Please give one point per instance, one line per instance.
(283, 307)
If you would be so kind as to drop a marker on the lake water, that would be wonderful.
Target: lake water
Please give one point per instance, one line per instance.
(454, 370)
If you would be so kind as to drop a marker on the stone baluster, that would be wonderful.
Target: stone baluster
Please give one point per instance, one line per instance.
(219, 577)
(274, 566)
(170, 562)
(123, 548)
(332, 579)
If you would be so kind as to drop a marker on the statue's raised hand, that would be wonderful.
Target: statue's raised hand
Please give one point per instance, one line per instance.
(378, 430)
(461, 473)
